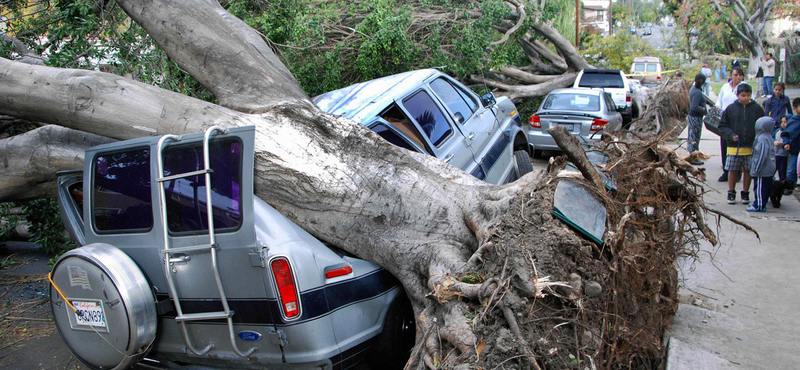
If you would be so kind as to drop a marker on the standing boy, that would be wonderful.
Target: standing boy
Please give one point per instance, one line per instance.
(737, 127)
(762, 166)
(727, 95)
(781, 161)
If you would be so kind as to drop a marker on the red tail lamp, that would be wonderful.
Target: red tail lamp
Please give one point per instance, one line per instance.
(287, 291)
(598, 123)
(535, 121)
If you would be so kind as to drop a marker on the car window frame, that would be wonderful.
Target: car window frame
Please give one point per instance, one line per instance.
(242, 215)
(380, 121)
(93, 188)
(424, 89)
(460, 91)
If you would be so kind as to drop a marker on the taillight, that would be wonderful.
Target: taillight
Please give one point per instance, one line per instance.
(287, 292)
(627, 97)
(338, 272)
(598, 123)
(658, 77)
(535, 121)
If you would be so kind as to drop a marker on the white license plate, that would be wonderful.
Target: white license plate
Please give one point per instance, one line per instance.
(89, 313)
(567, 126)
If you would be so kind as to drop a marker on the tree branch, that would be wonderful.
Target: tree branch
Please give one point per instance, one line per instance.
(526, 77)
(32, 159)
(529, 91)
(221, 51)
(27, 56)
(572, 148)
(536, 63)
(520, 21)
(96, 102)
(546, 53)
(573, 59)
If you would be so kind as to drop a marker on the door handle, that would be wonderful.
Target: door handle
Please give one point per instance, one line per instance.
(471, 135)
(179, 258)
(448, 158)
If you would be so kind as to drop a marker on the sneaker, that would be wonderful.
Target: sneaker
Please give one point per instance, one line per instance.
(745, 197)
(724, 177)
(697, 163)
(753, 209)
(731, 196)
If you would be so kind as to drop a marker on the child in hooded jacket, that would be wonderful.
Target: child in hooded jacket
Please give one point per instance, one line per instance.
(762, 164)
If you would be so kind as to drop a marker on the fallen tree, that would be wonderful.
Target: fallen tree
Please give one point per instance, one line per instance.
(494, 278)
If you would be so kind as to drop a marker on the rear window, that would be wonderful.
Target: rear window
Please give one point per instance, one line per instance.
(186, 197)
(574, 102)
(612, 80)
(652, 67)
(638, 67)
(121, 200)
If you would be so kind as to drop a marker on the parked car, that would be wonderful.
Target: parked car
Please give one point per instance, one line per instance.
(583, 112)
(633, 30)
(649, 68)
(150, 283)
(429, 112)
(612, 81)
(647, 31)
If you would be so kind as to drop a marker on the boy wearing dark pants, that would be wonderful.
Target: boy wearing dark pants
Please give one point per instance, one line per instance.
(762, 164)
(737, 127)
(781, 138)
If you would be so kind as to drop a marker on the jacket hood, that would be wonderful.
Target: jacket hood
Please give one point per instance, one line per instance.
(764, 125)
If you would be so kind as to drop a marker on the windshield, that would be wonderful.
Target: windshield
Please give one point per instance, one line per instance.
(613, 80)
(573, 102)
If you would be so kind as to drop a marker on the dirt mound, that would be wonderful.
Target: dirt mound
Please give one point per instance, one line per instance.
(597, 306)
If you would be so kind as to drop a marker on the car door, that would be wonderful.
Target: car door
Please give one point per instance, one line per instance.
(433, 122)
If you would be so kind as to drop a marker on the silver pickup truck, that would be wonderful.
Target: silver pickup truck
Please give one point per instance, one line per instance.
(174, 272)
(429, 112)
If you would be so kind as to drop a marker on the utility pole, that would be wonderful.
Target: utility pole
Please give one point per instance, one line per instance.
(610, 17)
(577, 22)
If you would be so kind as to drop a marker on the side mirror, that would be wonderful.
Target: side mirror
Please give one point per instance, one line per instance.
(459, 117)
(488, 100)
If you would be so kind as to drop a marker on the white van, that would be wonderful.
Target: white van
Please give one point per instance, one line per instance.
(650, 67)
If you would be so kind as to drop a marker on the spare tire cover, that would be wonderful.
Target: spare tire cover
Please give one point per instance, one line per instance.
(114, 318)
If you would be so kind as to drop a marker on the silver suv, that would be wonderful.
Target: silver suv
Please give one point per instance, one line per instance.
(151, 283)
(429, 112)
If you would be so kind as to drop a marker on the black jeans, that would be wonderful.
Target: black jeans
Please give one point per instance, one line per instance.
(723, 148)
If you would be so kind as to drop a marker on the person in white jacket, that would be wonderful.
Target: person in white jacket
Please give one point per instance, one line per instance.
(727, 95)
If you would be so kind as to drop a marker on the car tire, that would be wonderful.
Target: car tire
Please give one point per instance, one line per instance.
(522, 161)
(537, 153)
(392, 347)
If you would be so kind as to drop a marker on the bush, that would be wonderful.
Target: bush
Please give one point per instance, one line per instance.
(46, 228)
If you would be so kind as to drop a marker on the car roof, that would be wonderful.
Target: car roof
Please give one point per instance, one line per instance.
(599, 70)
(365, 100)
(646, 59)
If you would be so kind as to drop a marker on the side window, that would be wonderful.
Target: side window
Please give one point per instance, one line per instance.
(186, 197)
(392, 137)
(121, 199)
(453, 99)
(428, 116)
(76, 193)
(639, 67)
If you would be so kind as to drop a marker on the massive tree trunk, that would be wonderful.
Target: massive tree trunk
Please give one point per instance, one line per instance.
(426, 222)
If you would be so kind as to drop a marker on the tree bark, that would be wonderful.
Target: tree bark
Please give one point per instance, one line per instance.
(31, 160)
(515, 92)
(222, 52)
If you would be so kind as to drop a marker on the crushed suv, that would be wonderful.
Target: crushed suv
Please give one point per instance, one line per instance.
(429, 112)
(175, 271)
(612, 81)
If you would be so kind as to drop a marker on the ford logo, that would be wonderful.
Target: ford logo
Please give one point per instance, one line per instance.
(249, 335)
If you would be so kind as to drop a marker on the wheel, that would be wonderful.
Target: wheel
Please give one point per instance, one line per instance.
(109, 319)
(537, 153)
(522, 162)
(392, 347)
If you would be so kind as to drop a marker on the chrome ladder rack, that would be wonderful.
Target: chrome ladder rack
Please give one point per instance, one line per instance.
(211, 247)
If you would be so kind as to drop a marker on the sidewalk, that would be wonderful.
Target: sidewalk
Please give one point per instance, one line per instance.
(740, 300)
